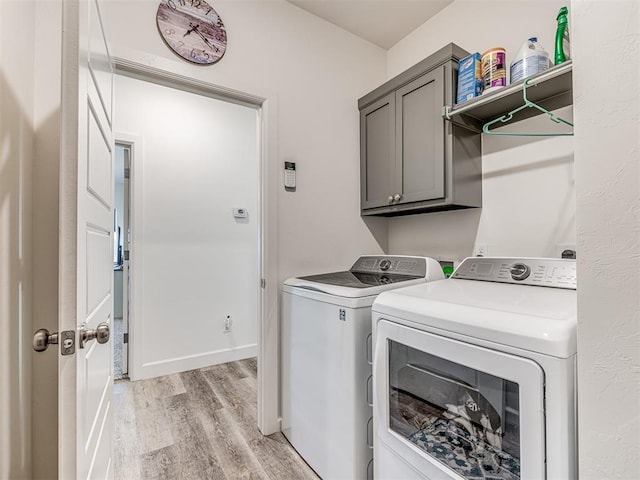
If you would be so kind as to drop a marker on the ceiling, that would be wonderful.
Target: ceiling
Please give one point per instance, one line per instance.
(382, 22)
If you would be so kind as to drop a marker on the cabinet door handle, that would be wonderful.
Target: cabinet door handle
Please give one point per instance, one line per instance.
(390, 198)
(397, 197)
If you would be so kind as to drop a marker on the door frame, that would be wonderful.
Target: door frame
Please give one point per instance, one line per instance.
(131, 145)
(268, 356)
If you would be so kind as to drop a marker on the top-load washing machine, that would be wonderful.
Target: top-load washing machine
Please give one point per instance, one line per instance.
(474, 376)
(326, 360)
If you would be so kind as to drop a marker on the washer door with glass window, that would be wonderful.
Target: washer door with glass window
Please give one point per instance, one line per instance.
(453, 410)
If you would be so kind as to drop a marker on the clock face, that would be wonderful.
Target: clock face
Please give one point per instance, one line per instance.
(192, 29)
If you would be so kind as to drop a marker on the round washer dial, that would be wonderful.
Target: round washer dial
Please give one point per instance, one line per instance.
(385, 264)
(519, 271)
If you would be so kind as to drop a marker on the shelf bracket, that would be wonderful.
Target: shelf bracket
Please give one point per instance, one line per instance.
(463, 121)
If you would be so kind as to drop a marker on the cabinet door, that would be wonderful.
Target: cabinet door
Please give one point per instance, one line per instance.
(377, 150)
(420, 139)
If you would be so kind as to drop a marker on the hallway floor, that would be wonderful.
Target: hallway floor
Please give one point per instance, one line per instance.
(199, 424)
(118, 345)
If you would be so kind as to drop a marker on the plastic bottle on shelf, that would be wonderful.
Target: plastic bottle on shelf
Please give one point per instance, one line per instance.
(531, 59)
(562, 37)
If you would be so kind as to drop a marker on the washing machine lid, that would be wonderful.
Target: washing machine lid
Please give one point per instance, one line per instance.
(358, 279)
(371, 275)
(531, 317)
(295, 285)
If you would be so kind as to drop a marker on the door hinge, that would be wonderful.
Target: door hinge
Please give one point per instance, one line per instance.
(126, 254)
(126, 338)
(127, 173)
(263, 283)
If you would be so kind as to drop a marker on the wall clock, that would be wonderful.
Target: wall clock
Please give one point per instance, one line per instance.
(192, 29)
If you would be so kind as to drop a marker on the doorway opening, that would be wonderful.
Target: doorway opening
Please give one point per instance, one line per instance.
(121, 249)
(265, 215)
(194, 265)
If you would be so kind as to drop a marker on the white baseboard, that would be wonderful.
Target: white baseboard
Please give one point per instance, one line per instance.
(183, 364)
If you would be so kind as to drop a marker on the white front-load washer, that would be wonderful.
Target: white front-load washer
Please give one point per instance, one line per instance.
(474, 377)
(326, 360)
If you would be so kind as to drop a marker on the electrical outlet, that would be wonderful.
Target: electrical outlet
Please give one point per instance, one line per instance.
(227, 324)
(480, 250)
(563, 250)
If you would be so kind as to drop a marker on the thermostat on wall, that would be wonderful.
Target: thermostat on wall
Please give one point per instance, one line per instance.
(289, 175)
(240, 213)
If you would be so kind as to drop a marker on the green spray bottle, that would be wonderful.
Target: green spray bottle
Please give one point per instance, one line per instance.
(562, 37)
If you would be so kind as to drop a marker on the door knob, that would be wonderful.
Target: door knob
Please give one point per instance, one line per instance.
(100, 334)
(42, 339)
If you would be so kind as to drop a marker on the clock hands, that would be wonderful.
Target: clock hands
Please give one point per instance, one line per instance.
(194, 28)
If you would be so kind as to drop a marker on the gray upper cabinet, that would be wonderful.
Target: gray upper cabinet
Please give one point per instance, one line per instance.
(379, 149)
(411, 160)
(419, 171)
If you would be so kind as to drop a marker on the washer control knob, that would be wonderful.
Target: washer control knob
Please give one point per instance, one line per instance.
(385, 264)
(519, 271)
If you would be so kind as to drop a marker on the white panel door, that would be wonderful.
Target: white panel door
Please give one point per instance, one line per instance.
(86, 261)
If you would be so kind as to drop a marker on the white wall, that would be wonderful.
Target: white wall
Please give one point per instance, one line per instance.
(607, 106)
(311, 74)
(16, 255)
(192, 262)
(48, 24)
(528, 185)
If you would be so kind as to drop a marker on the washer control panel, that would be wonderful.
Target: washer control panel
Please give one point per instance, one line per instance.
(400, 265)
(543, 272)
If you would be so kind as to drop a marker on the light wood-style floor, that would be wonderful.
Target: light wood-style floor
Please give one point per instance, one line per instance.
(198, 425)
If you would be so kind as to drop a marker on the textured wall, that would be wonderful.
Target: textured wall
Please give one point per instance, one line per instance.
(606, 46)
